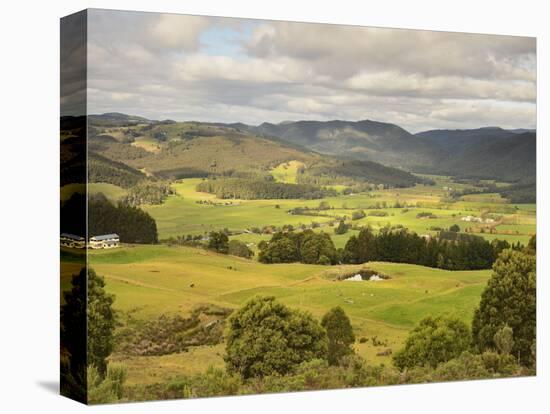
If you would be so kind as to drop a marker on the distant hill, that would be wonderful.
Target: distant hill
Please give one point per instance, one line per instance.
(200, 149)
(367, 140)
(488, 153)
(484, 153)
(195, 149)
(117, 119)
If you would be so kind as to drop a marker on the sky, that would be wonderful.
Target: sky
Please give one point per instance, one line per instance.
(169, 66)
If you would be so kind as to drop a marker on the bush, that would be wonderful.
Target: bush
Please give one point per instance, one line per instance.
(265, 337)
(358, 214)
(238, 248)
(433, 341)
(107, 390)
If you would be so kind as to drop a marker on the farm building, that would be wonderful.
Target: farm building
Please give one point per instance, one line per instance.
(105, 241)
(72, 240)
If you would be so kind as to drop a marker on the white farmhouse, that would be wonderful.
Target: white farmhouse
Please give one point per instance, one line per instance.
(105, 241)
(72, 240)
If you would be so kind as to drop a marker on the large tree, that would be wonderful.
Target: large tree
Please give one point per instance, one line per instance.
(218, 241)
(433, 341)
(265, 337)
(340, 334)
(101, 322)
(509, 300)
(87, 326)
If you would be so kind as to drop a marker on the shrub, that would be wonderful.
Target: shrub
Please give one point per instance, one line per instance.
(238, 248)
(265, 337)
(433, 341)
(358, 215)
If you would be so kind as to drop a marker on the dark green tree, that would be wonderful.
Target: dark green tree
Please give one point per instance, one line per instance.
(342, 228)
(218, 241)
(532, 245)
(433, 341)
(509, 300)
(87, 326)
(238, 248)
(454, 228)
(101, 322)
(340, 334)
(265, 337)
(73, 339)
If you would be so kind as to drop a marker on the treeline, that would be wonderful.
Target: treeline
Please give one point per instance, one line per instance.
(518, 193)
(148, 192)
(349, 172)
(305, 247)
(451, 251)
(132, 224)
(259, 189)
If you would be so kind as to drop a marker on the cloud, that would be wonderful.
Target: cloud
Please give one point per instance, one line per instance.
(345, 50)
(170, 31)
(180, 67)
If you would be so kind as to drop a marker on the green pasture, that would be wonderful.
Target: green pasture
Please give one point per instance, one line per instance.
(152, 280)
(192, 212)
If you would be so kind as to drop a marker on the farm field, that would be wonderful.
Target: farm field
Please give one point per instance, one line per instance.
(153, 280)
(192, 212)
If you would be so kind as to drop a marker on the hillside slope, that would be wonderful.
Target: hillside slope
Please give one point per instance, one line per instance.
(484, 153)
(367, 140)
(192, 149)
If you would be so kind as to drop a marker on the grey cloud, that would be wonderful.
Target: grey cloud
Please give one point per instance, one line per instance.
(146, 64)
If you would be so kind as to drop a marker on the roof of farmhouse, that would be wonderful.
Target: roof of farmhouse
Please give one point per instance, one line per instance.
(71, 236)
(105, 237)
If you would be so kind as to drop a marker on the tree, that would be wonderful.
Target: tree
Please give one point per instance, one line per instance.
(315, 246)
(532, 245)
(454, 228)
(87, 326)
(433, 341)
(73, 339)
(509, 299)
(101, 322)
(238, 248)
(342, 228)
(218, 241)
(265, 337)
(340, 334)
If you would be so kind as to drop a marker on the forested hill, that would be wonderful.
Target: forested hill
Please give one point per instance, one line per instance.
(381, 142)
(489, 153)
(484, 153)
(171, 150)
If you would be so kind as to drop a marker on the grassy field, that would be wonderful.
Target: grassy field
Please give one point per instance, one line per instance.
(158, 279)
(154, 280)
(192, 212)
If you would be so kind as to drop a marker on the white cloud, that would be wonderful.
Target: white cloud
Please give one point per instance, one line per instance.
(171, 31)
(155, 66)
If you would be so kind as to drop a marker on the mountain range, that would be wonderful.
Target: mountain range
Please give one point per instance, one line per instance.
(483, 153)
